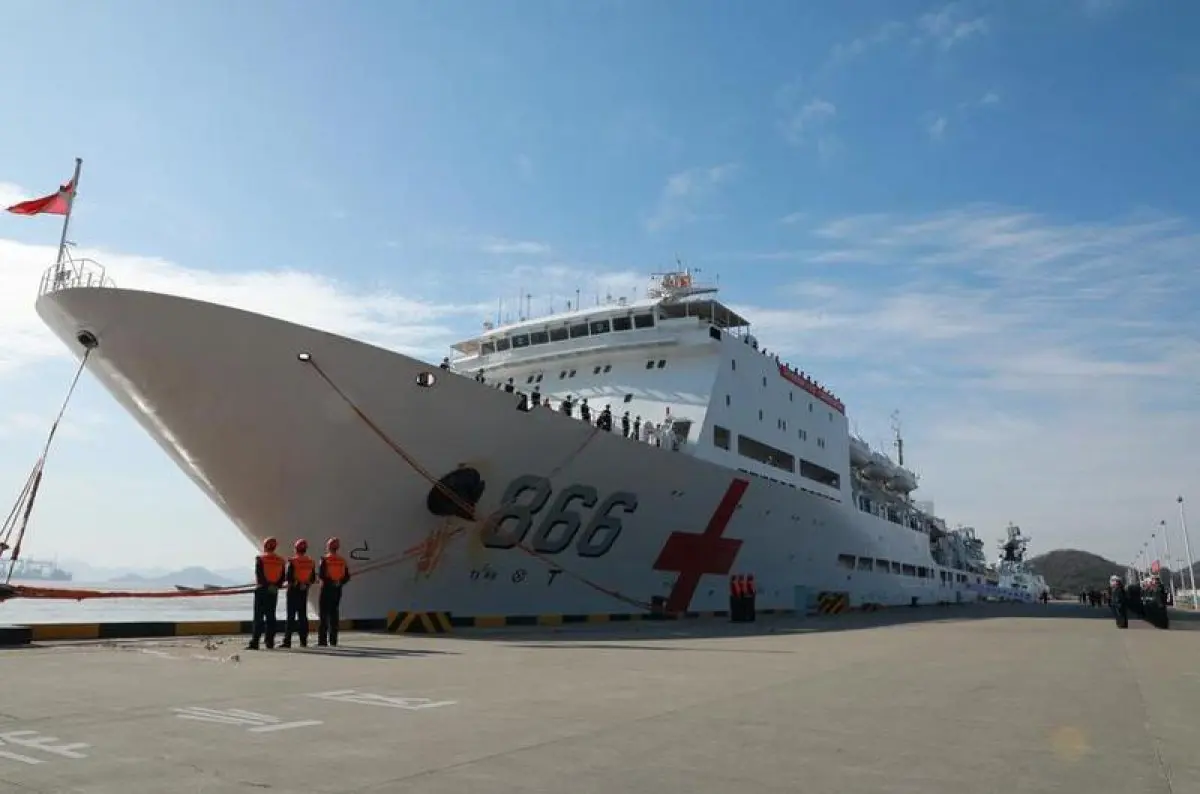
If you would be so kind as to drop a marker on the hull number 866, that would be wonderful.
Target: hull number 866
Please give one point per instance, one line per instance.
(576, 514)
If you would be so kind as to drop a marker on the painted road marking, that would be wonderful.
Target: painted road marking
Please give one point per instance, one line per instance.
(392, 701)
(32, 740)
(252, 720)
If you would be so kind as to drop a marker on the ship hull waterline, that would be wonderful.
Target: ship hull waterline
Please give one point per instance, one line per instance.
(283, 454)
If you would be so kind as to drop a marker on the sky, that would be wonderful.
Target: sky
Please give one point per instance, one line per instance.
(982, 215)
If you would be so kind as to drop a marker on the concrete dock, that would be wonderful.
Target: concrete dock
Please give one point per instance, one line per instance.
(997, 698)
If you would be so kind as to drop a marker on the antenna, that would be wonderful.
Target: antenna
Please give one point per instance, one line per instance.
(528, 306)
(899, 438)
(578, 305)
(520, 306)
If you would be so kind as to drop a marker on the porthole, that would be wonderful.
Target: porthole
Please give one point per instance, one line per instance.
(426, 379)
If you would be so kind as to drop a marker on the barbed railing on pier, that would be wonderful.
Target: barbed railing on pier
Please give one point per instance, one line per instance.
(74, 274)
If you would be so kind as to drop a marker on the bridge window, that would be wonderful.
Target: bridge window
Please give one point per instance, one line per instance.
(539, 378)
(558, 334)
(578, 330)
(520, 341)
(720, 437)
(608, 367)
(661, 363)
(572, 374)
(820, 474)
(865, 564)
(600, 327)
(650, 364)
(846, 561)
(539, 338)
(488, 348)
(502, 343)
(881, 566)
(621, 323)
(909, 570)
(643, 321)
(765, 453)
(595, 370)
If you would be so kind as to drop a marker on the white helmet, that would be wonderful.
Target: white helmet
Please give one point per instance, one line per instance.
(1114, 579)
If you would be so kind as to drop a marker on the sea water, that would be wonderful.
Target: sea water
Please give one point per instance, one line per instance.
(23, 611)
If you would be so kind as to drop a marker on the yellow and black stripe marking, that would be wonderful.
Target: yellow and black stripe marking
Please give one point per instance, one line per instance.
(418, 623)
(832, 603)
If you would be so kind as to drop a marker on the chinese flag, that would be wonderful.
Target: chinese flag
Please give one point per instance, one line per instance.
(54, 204)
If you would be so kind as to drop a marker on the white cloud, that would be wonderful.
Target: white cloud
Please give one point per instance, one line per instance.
(937, 128)
(686, 192)
(949, 26)
(496, 245)
(11, 194)
(1049, 371)
(808, 119)
(380, 316)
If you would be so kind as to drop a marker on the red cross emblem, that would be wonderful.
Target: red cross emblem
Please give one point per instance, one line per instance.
(693, 555)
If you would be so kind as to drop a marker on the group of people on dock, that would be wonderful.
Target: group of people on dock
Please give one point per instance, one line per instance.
(297, 574)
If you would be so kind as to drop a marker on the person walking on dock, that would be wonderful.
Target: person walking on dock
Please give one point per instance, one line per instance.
(333, 573)
(269, 572)
(301, 572)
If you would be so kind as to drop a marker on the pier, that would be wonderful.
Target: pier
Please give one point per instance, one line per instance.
(994, 698)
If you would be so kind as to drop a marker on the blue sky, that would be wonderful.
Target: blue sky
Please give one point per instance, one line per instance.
(981, 214)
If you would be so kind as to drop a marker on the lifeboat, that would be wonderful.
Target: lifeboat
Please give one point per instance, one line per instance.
(878, 466)
(902, 480)
(860, 453)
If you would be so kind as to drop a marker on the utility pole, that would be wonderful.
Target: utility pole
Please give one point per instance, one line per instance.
(1187, 546)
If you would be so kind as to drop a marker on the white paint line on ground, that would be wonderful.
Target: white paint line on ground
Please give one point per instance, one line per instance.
(32, 740)
(252, 721)
(391, 701)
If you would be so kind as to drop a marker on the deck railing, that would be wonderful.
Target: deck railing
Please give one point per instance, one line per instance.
(74, 274)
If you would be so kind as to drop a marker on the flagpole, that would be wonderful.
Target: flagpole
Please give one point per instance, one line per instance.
(62, 243)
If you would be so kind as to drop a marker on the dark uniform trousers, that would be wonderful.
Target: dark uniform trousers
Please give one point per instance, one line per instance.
(266, 600)
(297, 614)
(329, 604)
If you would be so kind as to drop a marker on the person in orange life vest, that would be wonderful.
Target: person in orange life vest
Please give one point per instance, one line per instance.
(269, 572)
(301, 572)
(333, 573)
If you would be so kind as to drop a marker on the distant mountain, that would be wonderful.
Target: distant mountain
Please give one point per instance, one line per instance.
(189, 577)
(1072, 570)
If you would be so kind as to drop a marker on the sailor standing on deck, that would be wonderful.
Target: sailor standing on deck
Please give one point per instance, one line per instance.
(301, 572)
(269, 573)
(333, 573)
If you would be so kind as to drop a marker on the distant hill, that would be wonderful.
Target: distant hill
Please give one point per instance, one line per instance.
(189, 577)
(1072, 570)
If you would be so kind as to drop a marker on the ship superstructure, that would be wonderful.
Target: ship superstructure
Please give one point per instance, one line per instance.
(703, 454)
(1012, 568)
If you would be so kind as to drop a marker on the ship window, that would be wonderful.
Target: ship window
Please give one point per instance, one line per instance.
(760, 414)
(529, 379)
(764, 381)
(714, 332)
(810, 407)
(661, 363)
(520, 341)
(819, 474)
(608, 367)
(831, 416)
(921, 572)
(562, 374)
(803, 434)
(649, 365)
(488, 348)
(846, 561)
(881, 566)
(791, 396)
(895, 567)
(558, 334)
(628, 398)
(909, 570)
(733, 362)
(621, 323)
(865, 564)
(539, 378)
(572, 374)
(765, 453)
(726, 400)
(600, 327)
(539, 338)
(502, 343)
(595, 370)
(643, 321)
(578, 330)
(720, 437)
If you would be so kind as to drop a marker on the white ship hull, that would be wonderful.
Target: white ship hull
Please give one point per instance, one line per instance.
(283, 455)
